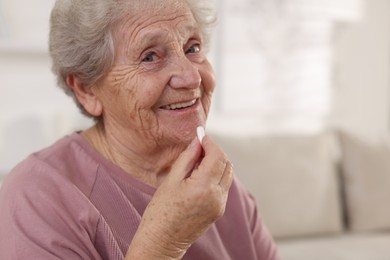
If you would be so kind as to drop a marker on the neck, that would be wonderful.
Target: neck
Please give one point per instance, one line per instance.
(149, 165)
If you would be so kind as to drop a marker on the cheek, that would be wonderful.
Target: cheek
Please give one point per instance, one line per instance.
(208, 78)
(118, 93)
(208, 82)
(141, 100)
(125, 96)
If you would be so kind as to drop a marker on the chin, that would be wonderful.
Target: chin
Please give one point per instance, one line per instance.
(181, 130)
(187, 137)
(180, 137)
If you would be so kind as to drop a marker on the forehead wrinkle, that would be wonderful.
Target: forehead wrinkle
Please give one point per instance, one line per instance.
(132, 38)
(138, 34)
(151, 37)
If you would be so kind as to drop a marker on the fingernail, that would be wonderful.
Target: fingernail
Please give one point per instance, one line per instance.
(200, 133)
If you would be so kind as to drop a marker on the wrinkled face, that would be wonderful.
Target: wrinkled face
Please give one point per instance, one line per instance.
(159, 89)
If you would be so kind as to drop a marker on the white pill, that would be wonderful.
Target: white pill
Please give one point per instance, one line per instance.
(200, 133)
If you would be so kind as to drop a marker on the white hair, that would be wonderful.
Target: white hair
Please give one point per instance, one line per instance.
(81, 36)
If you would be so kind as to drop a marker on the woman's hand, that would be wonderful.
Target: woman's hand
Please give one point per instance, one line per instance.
(190, 199)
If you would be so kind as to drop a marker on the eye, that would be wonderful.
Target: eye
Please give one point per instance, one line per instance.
(194, 49)
(150, 57)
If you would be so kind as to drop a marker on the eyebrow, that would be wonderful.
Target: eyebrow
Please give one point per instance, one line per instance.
(150, 38)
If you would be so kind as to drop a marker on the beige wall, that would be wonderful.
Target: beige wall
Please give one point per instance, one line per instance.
(362, 72)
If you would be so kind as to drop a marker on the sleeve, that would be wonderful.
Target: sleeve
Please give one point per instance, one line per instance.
(265, 246)
(262, 236)
(37, 220)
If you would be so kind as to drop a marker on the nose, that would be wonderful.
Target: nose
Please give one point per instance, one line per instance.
(185, 74)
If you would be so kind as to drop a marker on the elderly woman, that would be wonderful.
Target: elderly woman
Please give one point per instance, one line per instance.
(138, 184)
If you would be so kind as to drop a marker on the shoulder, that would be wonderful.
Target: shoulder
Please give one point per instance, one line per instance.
(240, 197)
(35, 190)
(54, 179)
(241, 210)
(65, 164)
(242, 206)
(44, 197)
(44, 205)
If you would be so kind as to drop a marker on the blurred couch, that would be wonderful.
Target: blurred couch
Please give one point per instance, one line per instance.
(324, 196)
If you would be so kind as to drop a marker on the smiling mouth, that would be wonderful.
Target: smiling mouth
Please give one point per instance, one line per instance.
(178, 106)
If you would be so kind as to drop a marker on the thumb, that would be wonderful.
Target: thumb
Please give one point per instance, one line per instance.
(187, 160)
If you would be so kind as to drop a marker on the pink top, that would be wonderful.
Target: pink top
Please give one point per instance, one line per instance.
(68, 202)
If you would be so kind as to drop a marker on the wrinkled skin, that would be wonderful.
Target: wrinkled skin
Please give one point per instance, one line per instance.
(184, 207)
(159, 62)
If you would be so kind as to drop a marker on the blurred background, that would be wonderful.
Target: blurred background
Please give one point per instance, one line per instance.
(284, 68)
(298, 65)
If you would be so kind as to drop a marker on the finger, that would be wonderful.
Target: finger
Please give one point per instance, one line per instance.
(213, 164)
(186, 161)
(227, 177)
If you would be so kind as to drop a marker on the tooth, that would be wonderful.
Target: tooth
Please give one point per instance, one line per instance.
(180, 105)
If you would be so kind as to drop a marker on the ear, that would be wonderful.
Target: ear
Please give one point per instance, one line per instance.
(85, 95)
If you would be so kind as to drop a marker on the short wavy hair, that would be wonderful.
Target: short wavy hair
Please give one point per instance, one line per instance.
(81, 36)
